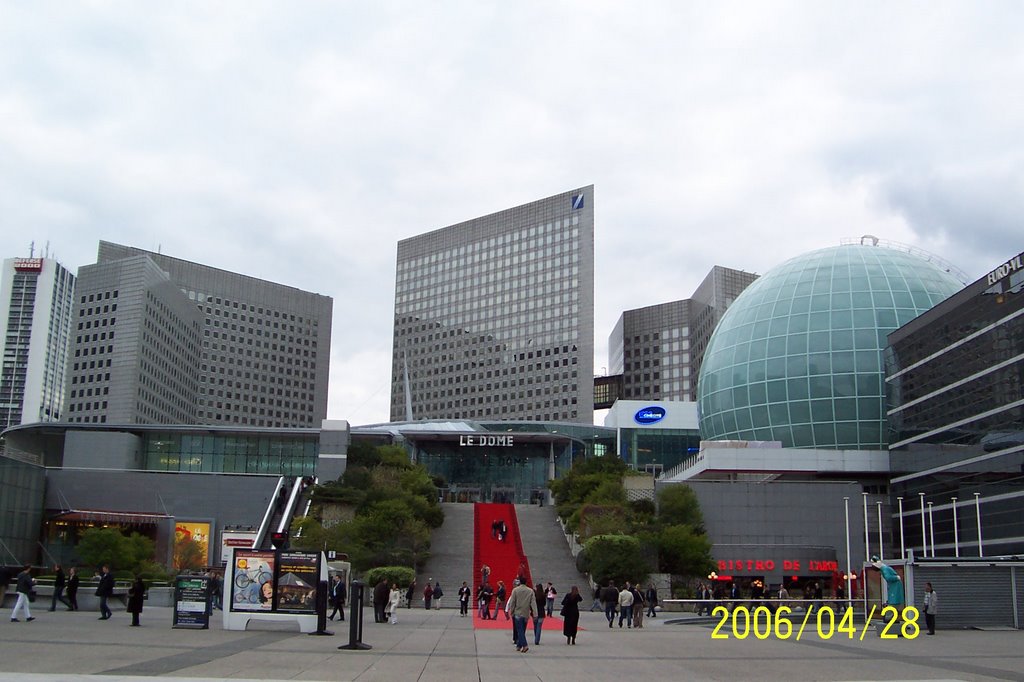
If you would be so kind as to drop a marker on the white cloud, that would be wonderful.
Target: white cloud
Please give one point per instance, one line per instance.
(300, 143)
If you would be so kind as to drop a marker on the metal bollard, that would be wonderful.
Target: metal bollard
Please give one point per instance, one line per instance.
(355, 619)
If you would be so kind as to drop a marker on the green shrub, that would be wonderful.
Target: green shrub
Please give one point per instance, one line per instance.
(616, 557)
(400, 575)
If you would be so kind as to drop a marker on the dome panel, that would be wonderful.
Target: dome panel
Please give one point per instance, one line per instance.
(797, 356)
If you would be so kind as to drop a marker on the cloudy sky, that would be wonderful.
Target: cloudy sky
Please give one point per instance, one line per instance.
(298, 142)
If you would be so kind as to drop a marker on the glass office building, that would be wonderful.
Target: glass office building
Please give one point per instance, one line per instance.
(955, 378)
(494, 317)
(798, 357)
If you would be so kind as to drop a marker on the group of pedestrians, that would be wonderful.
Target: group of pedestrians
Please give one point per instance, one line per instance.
(65, 591)
(628, 602)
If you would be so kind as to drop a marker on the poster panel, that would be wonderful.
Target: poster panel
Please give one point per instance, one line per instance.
(297, 576)
(234, 538)
(191, 545)
(252, 580)
(191, 601)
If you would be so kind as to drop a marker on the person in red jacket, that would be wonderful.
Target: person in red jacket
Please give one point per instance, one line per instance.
(428, 594)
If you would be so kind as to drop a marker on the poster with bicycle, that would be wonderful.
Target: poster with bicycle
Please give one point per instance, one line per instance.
(252, 580)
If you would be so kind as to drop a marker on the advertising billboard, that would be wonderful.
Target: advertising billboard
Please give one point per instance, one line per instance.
(297, 576)
(252, 580)
(191, 545)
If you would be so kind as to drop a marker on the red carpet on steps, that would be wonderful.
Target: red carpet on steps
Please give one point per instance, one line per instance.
(504, 560)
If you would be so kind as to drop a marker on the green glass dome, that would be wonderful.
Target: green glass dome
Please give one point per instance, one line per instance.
(797, 358)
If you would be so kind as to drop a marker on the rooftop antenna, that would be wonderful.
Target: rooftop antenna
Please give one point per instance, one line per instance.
(32, 250)
(46, 254)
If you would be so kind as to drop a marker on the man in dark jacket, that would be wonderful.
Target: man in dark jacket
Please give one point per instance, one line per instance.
(104, 591)
(338, 597)
(136, 596)
(610, 597)
(380, 601)
(5, 580)
(58, 588)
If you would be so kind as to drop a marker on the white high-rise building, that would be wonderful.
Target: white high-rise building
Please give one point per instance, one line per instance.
(36, 297)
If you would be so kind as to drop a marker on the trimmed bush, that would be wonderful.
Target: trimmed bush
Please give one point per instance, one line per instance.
(616, 557)
(402, 575)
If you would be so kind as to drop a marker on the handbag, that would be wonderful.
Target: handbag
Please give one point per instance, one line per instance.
(32, 595)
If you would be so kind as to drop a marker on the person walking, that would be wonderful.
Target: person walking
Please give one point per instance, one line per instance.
(59, 581)
(464, 596)
(551, 593)
(428, 594)
(638, 607)
(409, 594)
(380, 601)
(104, 591)
(5, 582)
(538, 620)
(394, 601)
(72, 590)
(500, 597)
(610, 597)
(523, 606)
(597, 605)
(24, 587)
(626, 606)
(652, 599)
(136, 595)
(571, 614)
(438, 593)
(931, 607)
(339, 595)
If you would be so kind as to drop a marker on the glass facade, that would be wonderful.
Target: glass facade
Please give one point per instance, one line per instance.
(21, 508)
(293, 455)
(798, 357)
(955, 379)
(494, 316)
(662, 449)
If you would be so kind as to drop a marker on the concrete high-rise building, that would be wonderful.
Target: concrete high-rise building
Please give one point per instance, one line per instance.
(35, 308)
(135, 348)
(262, 356)
(494, 317)
(658, 349)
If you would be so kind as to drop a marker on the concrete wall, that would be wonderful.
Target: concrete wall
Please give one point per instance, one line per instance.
(102, 450)
(810, 514)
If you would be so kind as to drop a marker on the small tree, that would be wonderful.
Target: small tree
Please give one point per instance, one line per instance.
(400, 575)
(108, 546)
(684, 552)
(616, 557)
(677, 505)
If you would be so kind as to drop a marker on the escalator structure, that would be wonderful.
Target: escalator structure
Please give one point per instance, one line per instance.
(293, 499)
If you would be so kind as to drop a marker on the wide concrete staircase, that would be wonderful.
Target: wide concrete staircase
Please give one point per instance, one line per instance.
(548, 552)
(451, 554)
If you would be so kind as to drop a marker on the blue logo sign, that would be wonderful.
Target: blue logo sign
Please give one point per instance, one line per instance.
(649, 415)
(577, 202)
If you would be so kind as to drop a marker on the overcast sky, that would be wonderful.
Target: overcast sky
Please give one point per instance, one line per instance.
(298, 142)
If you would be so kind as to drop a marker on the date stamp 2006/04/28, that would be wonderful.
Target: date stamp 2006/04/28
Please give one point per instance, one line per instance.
(763, 623)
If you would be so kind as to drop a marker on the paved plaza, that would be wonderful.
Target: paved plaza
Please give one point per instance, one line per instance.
(440, 646)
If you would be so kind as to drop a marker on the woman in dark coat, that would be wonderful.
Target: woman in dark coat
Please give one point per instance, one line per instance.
(136, 593)
(72, 590)
(571, 614)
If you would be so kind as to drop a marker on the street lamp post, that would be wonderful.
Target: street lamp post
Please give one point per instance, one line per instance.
(846, 506)
(867, 541)
(931, 527)
(924, 534)
(977, 512)
(956, 531)
(903, 546)
(881, 557)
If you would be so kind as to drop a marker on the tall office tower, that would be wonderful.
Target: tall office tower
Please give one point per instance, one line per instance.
(658, 349)
(135, 348)
(265, 348)
(494, 317)
(35, 307)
